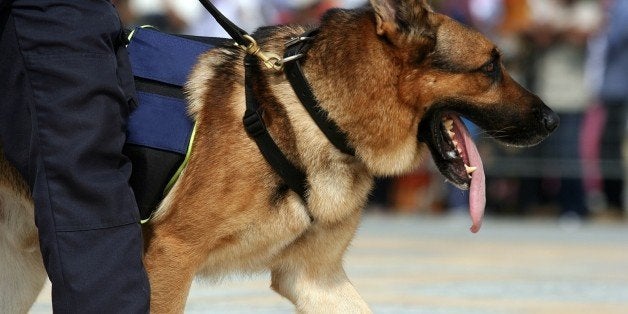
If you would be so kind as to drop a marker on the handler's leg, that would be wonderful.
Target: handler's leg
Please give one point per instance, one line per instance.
(69, 79)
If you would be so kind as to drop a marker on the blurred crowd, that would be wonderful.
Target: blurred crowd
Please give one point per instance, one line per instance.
(572, 53)
(190, 17)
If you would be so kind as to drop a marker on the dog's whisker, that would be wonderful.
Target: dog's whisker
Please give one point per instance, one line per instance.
(492, 133)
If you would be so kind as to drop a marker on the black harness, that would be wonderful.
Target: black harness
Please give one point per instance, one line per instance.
(299, 47)
(295, 178)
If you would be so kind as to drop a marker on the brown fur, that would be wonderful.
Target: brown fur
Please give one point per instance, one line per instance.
(22, 272)
(378, 71)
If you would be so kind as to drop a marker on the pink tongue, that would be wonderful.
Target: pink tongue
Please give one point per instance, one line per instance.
(477, 192)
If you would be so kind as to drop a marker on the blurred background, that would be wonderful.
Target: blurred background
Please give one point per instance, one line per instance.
(574, 54)
(555, 239)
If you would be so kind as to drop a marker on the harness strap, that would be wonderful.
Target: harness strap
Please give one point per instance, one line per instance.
(256, 128)
(253, 123)
(304, 92)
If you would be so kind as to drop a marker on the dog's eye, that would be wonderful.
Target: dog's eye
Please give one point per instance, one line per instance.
(491, 69)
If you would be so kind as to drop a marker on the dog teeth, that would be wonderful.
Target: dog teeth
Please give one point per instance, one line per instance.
(449, 126)
(448, 123)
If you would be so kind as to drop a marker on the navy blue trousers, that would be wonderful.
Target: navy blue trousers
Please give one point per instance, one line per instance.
(65, 93)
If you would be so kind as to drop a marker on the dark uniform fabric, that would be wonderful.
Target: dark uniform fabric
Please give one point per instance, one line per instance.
(65, 93)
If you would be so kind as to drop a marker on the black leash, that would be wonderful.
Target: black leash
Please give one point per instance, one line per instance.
(243, 39)
(233, 30)
(253, 122)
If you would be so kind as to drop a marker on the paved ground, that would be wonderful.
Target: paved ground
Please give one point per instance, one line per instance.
(418, 264)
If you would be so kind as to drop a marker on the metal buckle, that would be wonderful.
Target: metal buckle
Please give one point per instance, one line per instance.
(292, 58)
(295, 40)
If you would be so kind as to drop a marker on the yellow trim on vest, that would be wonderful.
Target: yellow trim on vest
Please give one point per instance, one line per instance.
(143, 26)
(184, 164)
(177, 174)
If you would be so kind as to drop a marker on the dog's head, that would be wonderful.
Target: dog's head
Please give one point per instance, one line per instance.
(448, 71)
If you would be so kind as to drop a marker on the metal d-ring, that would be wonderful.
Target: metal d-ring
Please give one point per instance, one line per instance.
(271, 60)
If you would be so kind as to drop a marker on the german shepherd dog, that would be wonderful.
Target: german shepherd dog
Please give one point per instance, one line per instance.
(394, 76)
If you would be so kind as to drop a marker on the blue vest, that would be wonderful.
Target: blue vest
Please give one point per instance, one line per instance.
(159, 128)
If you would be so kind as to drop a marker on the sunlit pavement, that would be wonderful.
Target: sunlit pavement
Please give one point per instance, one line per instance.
(421, 264)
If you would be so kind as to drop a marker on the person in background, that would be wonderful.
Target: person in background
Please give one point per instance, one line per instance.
(171, 16)
(614, 96)
(561, 30)
(67, 92)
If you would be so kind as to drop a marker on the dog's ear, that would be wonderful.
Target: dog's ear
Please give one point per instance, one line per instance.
(403, 18)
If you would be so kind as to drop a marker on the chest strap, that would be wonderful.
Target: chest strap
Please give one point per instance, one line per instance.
(296, 51)
(293, 177)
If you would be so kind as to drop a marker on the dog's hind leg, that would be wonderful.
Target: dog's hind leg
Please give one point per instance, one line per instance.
(22, 272)
(310, 273)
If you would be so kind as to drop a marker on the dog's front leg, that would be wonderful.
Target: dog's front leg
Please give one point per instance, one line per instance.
(22, 276)
(22, 273)
(310, 273)
(171, 270)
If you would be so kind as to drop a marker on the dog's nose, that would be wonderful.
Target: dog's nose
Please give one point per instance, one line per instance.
(550, 119)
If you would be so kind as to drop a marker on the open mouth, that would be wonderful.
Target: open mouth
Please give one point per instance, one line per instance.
(457, 158)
